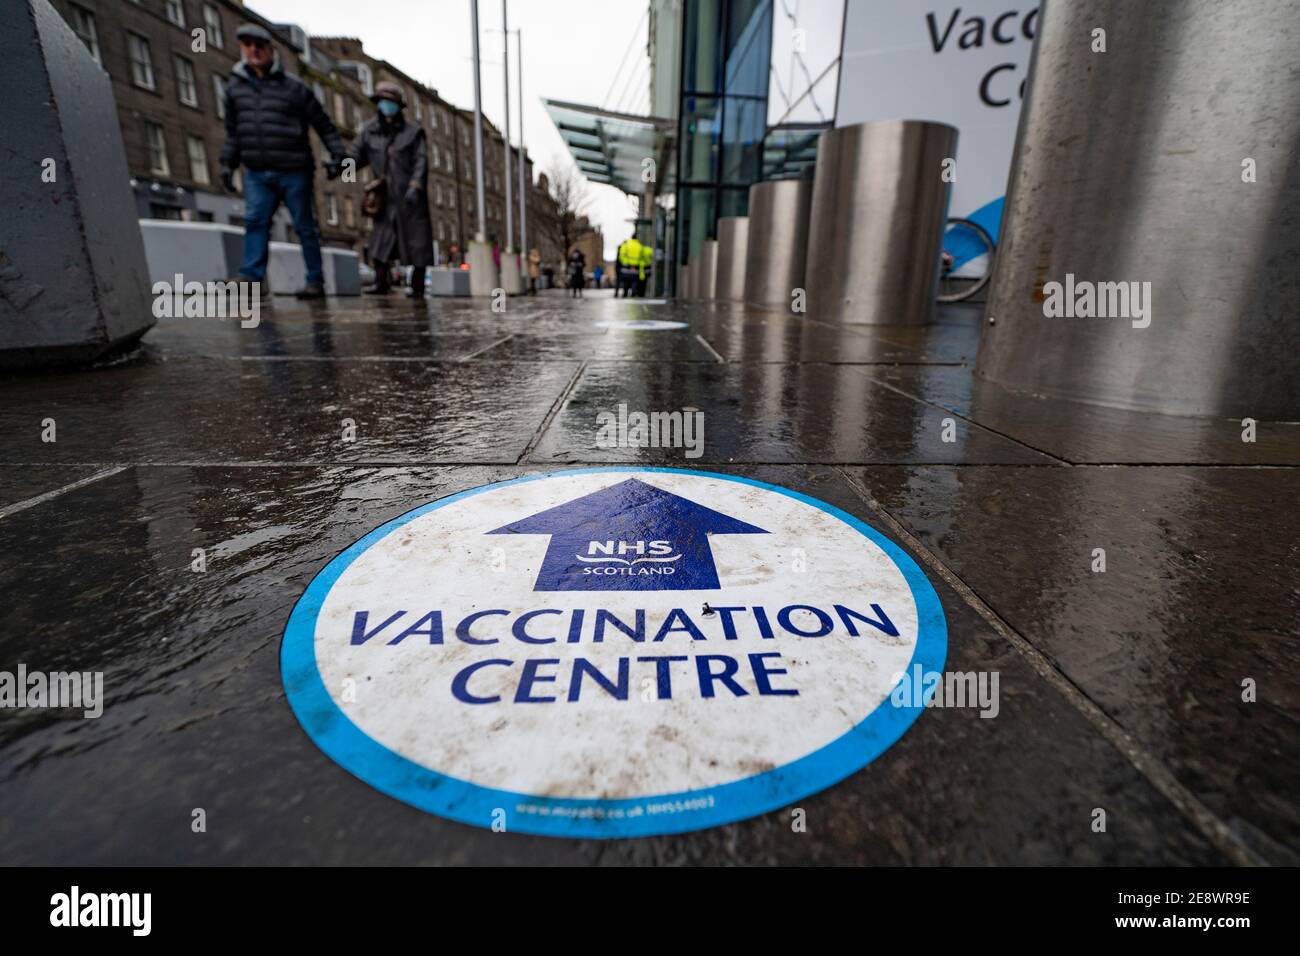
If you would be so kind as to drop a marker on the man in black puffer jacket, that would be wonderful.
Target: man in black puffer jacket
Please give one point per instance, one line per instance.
(267, 116)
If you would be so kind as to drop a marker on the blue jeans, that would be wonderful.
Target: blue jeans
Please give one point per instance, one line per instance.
(264, 190)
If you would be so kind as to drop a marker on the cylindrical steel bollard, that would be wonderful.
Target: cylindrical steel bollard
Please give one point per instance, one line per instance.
(879, 206)
(683, 282)
(1150, 236)
(778, 239)
(733, 238)
(704, 282)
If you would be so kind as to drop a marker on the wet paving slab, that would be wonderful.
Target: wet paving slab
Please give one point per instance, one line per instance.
(1158, 592)
(780, 336)
(195, 716)
(771, 413)
(228, 410)
(25, 486)
(1120, 690)
(322, 341)
(1092, 434)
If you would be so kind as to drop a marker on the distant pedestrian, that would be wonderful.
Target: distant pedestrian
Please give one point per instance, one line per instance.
(645, 267)
(629, 262)
(577, 273)
(397, 199)
(534, 270)
(268, 113)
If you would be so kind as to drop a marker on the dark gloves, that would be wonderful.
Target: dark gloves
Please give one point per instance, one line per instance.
(227, 179)
(413, 197)
(333, 168)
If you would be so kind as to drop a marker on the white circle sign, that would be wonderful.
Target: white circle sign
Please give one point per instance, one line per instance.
(640, 325)
(611, 652)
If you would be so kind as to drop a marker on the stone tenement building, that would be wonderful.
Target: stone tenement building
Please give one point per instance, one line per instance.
(169, 85)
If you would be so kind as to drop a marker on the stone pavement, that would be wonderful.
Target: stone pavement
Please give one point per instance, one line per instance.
(1119, 690)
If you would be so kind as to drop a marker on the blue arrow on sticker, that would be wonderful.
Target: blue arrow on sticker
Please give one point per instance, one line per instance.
(630, 536)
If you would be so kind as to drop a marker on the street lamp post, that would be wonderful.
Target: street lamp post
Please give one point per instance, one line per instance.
(524, 184)
(510, 279)
(482, 270)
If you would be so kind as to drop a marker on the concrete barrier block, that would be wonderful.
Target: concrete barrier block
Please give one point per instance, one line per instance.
(285, 270)
(342, 271)
(200, 251)
(449, 282)
(74, 282)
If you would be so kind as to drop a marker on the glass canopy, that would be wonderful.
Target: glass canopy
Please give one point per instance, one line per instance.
(610, 147)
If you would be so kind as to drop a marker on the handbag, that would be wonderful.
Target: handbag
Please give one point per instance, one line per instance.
(375, 200)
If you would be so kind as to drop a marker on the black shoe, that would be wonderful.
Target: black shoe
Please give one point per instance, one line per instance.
(312, 290)
(377, 289)
(263, 287)
(415, 293)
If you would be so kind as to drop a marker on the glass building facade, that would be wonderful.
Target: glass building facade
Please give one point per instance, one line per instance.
(722, 118)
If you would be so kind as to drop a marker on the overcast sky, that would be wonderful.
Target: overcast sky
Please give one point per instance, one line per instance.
(573, 50)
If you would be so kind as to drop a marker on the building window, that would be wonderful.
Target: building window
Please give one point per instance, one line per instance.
(219, 91)
(446, 122)
(141, 63)
(83, 25)
(349, 214)
(442, 230)
(436, 160)
(338, 107)
(331, 209)
(437, 194)
(175, 12)
(212, 23)
(451, 199)
(198, 155)
(419, 111)
(356, 116)
(157, 143)
(187, 91)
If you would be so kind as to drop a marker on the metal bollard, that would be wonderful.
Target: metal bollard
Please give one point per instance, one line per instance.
(705, 271)
(733, 239)
(1149, 240)
(879, 207)
(778, 240)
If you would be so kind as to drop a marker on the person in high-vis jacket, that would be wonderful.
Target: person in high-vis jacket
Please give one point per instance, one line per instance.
(646, 268)
(629, 266)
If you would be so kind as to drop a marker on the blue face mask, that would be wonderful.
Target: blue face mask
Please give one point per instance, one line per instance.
(389, 108)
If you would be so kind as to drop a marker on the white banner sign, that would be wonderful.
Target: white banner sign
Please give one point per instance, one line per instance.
(962, 64)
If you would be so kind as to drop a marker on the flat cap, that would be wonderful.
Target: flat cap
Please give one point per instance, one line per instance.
(251, 31)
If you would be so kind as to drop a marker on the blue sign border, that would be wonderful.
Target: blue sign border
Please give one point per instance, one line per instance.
(466, 802)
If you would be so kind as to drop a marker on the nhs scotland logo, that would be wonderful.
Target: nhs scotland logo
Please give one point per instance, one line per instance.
(631, 536)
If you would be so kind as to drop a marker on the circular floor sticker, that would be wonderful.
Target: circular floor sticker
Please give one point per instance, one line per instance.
(640, 325)
(612, 652)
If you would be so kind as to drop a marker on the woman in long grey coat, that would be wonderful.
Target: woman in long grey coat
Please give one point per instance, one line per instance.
(396, 152)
